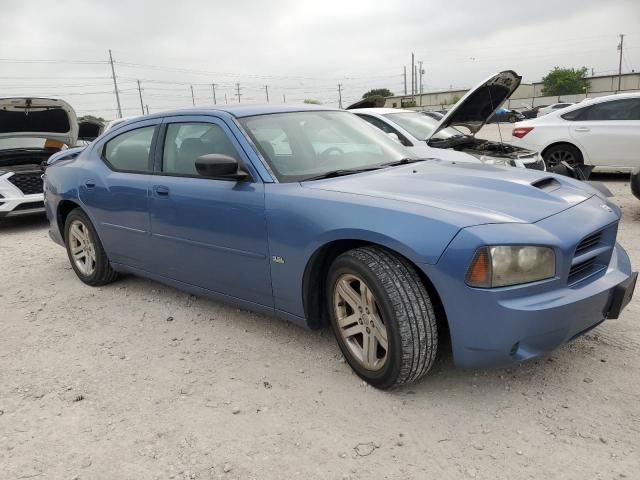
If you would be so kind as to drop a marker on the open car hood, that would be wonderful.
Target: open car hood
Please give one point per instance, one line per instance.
(474, 109)
(89, 128)
(38, 118)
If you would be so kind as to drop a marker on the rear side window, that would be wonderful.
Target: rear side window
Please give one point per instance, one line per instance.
(129, 151)
(185, 142)
(625, 109)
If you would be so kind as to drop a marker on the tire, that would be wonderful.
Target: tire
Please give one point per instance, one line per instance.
(512, 119)
(93, 268)
(401, 306)
(562, 152)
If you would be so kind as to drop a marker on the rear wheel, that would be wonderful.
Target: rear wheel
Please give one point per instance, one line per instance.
(382, 317)
(88, 258)
(564, 152)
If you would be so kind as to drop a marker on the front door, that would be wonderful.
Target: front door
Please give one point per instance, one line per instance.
(206, 232)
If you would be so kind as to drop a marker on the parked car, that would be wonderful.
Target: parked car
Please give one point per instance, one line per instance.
(529, 111)
(433, 114)
(502, 114)
(312, 215)
(552, 108)
(603, 132)
(428, 137)
(31, 130)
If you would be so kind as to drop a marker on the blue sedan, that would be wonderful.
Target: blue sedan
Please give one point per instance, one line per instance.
(313, 215)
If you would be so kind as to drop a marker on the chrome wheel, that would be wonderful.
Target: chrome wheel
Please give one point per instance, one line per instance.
(359, 321)
(559, 156)
(82, 249)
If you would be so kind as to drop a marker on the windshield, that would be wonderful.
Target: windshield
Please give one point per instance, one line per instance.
(302, 145)
(421, 126)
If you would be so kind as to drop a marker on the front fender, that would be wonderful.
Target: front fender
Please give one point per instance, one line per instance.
(301, 221)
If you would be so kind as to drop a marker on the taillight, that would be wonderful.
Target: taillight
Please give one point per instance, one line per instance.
(520, 132)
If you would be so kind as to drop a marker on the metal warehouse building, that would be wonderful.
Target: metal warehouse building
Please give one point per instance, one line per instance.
(527, 93)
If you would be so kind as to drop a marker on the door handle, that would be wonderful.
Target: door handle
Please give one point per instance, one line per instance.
(581, 129)
(90, 183)
(161, 190)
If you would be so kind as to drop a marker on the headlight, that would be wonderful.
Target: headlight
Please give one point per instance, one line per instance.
(499, 266)
(499, 161)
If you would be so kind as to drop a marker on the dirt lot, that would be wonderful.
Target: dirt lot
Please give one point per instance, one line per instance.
(139, 381)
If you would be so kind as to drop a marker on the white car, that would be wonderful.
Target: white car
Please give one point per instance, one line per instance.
(552, 108)
(429, 137)
(31, 130)
(603, 132)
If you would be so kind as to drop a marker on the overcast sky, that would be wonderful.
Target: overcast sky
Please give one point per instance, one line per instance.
(301, 49)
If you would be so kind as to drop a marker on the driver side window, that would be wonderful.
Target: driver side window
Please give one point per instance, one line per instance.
(185, 142)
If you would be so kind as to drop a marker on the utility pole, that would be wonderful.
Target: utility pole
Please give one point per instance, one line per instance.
(193, 98)
(147, 109)
(405, 80)
(225, 99)
(238, 92)
(620, 63)
(340, 95)
(421, 71)
(413, 69)
(213, 89)
(266, 90)
(115, 84)
(415, 78)
(284, 98)
(140, 93)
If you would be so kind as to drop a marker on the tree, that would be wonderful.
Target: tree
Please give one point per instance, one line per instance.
(382, 92)
(565, 81)
(312, 101)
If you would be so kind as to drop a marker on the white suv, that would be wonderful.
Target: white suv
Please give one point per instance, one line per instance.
(31, 130)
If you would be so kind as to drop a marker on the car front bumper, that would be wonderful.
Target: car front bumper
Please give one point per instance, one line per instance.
(503, 326)
(14, 203)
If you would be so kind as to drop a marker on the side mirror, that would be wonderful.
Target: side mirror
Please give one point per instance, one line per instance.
(218, 165)
(394, 137)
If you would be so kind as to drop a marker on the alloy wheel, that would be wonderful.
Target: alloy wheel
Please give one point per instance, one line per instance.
(559, 156)
(360, 323)
(82, 248)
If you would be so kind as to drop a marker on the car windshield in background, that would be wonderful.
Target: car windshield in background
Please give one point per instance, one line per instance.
(26, 142)
(305, 145)
(421, 126)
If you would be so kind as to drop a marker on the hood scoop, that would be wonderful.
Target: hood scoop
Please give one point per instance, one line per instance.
(548, 184)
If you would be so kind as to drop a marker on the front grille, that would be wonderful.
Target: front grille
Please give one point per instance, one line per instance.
(580, 270)
(29, 206)
(588, 242)
(28, 183)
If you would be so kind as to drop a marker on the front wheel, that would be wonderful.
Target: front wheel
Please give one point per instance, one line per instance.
(88, 258)
(382, 317)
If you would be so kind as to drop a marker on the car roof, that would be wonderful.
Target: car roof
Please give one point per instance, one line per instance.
(380, 111)
(240, 111)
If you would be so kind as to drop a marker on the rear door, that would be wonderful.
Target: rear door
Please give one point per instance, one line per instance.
(211, 233)
(115, 190)
(609, 132)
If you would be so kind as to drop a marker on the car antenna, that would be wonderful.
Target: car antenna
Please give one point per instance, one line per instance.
(494, 111)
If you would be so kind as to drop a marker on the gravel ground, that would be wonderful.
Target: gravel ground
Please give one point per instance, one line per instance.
(140, 381)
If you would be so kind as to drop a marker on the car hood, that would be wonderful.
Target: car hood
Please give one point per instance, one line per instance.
(474, 109)
(46, 118)
(477, 193)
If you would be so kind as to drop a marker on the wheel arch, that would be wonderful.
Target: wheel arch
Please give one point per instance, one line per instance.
(315, 273)
(65, 207)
